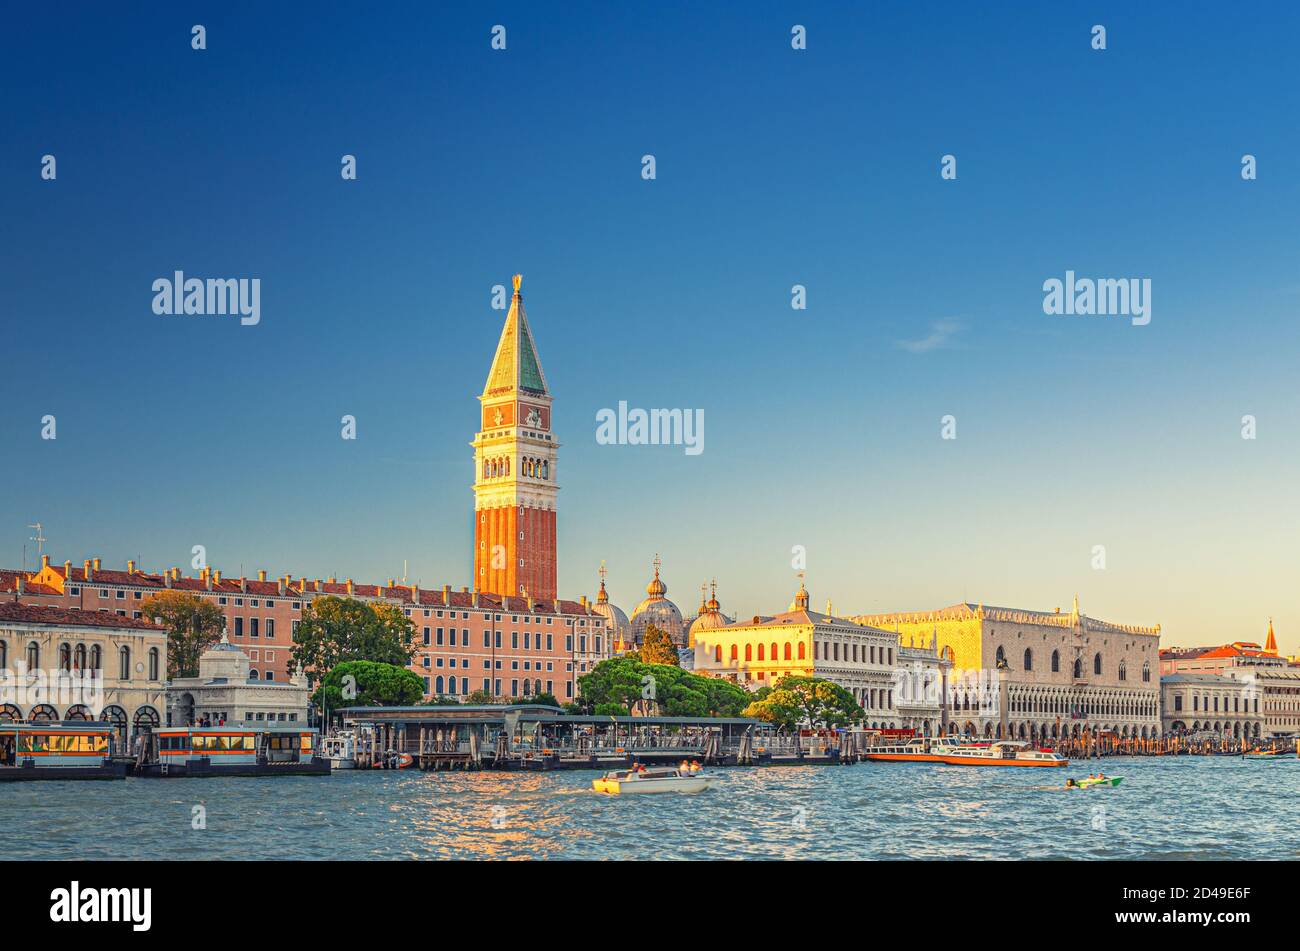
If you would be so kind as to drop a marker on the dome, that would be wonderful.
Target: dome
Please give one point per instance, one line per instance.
(710, 617)
(656, 609)
(620, 628)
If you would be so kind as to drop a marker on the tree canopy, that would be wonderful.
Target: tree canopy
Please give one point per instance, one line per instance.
(657, 647)
(364, 683)
(334, 630)
(796, 701)
(622, 682)
(193, 625)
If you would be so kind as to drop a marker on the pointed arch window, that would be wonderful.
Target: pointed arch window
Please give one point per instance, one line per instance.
(1096, 664)
(1056, 662)
(65, 657)
(1029, 659)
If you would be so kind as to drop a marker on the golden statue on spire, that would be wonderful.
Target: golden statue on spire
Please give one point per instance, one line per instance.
(518, 279)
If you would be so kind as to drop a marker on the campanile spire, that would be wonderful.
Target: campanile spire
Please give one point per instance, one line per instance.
(514, 465)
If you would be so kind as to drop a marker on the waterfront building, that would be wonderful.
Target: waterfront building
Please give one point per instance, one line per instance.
(465, 641)
(1037, 675)
(515, 469)
(126, 656)
(226, 693)
(804, 643)
(921, 676)
(1222, 704)
(1272, 676)
(656, 609)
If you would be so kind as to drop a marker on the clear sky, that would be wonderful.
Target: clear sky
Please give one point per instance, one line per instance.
(775, 167)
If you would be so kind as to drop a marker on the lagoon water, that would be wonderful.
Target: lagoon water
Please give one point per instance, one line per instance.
(1167, 808)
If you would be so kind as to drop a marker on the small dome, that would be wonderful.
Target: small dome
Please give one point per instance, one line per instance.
(620, 628)
(657, 610)
(709, 618)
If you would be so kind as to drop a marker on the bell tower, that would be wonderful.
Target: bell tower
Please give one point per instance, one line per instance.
(514, 469)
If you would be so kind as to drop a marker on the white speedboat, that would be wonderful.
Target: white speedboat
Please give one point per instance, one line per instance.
(623, 782)
(339, 750)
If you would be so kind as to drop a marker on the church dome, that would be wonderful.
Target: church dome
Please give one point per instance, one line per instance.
(656, 609)
(620, 628)
(710, 617)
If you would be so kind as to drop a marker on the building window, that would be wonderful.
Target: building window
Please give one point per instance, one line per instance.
(1056, 662)
(270, 628)
(153, 663)
(1096, 664)
(124, 664)
(1029, 659)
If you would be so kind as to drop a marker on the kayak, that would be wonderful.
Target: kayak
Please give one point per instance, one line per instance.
(1089, 783)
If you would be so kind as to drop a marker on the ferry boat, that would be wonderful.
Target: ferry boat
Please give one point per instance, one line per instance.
(623, 782)
(235, 751)
(340, 750)
(73, 750)
(921, 750)
(1002, 753)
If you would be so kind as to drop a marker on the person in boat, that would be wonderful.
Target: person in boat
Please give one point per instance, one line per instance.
(1071, 784)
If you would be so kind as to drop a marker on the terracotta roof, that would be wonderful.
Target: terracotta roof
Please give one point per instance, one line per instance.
(9, 583)
(61, 617)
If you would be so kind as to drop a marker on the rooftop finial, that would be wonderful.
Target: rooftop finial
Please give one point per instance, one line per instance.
(518, 279)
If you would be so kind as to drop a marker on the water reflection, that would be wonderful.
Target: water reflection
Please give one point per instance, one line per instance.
(1184, 808)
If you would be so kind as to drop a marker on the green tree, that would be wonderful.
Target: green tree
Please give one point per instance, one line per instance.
(625, 681)
(479, 698)
(658, 648)
(193, 625)
(364, 683)
(334, 630)
(796, 701)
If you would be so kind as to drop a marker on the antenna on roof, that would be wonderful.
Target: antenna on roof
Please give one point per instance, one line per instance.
(403, 571)
(39, 538)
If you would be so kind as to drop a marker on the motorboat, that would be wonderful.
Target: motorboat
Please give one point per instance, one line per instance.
(623, 782)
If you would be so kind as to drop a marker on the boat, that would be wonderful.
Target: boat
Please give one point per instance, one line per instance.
(922, 750)
(232, 751)
(1096, 781)
(70, 750)
(1002, 753)
(339, 750)
(1263, 754)
(623, 782)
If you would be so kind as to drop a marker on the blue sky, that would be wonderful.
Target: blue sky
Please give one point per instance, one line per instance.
(775, 168)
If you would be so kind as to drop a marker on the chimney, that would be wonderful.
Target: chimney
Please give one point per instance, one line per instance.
(67, 570)
(261, 575)
(207, 578)
(474, 599)
(415, 594)
(45, 561)
(583, 602)
(281, 585)
(176, 574)
(351, 587)
(167, 578)
(333, 580)
(446, 594)
(243, 584)
(21, 584)
(86, 568)
(96, 564)
(216, 575)
(390, 582)
(317, 584)
(130, 567)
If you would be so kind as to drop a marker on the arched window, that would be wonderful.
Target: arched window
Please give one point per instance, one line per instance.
(1078, 669)
(1056, 662)
(773, 654)
(1146, 672)
(1001, 657)
(1029, 659)
(65, 657)
(437, 686)
(79, 657)
(252, 673)
(760, 652)
(786, 654)
(4, 654)
(749, 652)
(546, 469)
(33, 655)
(1123, 670)
(153, 663)
(451, 686)
(96, 658)
(717, 654)
(1096, 664)
(124, 663)
(733, 651)
(803, 653)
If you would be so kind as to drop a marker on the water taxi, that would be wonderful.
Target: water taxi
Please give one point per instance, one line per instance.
(1263, 754)
(1002, 753)
(73, 750)
(923, 750)
(339, 750)
(623, 782)
(234, 751)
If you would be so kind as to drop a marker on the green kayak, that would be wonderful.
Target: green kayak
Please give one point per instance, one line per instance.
(1107, 781)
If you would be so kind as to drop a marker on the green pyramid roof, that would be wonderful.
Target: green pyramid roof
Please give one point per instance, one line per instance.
(515, 366)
